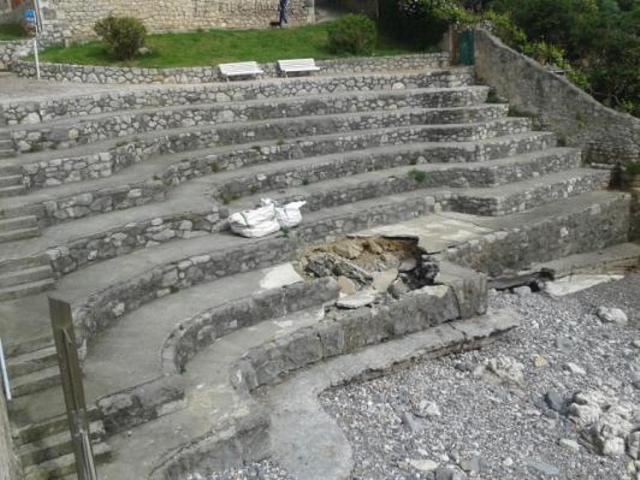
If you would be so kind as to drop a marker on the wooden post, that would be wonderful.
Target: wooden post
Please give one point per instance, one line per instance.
(71, 374)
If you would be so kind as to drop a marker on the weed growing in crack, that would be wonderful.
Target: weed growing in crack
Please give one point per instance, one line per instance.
(418, 176)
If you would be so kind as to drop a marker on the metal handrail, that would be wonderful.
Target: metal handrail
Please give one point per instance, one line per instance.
(5, 374)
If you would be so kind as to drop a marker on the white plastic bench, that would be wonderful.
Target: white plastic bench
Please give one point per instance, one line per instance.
(241, 69)
(299, 65)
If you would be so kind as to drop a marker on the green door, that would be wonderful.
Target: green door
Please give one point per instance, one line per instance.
(466, 48)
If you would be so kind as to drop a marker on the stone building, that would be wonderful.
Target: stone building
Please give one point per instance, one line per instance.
(73, 20)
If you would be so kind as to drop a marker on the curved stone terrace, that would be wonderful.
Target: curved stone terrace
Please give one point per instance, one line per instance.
(161, 291)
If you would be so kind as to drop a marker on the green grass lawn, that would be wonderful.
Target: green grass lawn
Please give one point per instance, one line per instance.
(217, 46)
(11, 31)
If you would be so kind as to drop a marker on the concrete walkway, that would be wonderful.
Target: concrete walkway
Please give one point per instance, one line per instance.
(16, 89)
(210, 401)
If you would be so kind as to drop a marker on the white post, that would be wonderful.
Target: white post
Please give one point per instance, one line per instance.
(35, 52)
(39, 24)
(5, 374)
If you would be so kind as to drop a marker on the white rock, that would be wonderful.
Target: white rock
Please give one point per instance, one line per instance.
(613, 447)
(612, 315)
(633, 445)
(423, 465)
(569, 444)
(360, 299)
(575, 369)
(522, 291)
(506, 368)
(428, 409)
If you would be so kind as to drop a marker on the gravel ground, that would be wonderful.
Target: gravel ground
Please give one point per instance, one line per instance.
(265, 470)
(499, 413)
(491, 427)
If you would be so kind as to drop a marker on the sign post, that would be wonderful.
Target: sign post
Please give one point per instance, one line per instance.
(71, 374)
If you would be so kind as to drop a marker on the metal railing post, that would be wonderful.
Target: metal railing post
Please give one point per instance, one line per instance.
(5, 374)
(71, 374)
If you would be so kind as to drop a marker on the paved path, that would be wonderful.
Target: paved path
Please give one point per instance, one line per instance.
(16, 89)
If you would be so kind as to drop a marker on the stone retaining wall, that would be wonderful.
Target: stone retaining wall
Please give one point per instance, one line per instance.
(501, 253)
(123, 240)
(605, 135)
(32, 112)
(123, 75)
(13, 50)
(127, 152)
(342, 332)
(73, 20)
(116, 197)
(202, 330)
(139, 404)
(83, 132)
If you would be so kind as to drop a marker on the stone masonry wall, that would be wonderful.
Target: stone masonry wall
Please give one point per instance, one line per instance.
(606, 136)
(9, 469)
(94, 74)
(11, 51)
(73, 20)
(50, 109)
(581, 231)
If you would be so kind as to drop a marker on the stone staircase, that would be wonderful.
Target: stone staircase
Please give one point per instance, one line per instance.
(25, 275)
(46, 451)
(6, 147)
(123, 209)
(33, 371)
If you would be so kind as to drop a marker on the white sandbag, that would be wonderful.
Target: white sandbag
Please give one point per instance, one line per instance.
(290, 216)
(255, 223)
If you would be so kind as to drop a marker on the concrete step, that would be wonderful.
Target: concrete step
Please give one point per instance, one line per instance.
(55, 446)
(28, 275)
(11, 265)
(32, 361)
(10, 167)
(394, 162)
(143, 174)
(529, 194)
(315, 125)
(499, 200)
(35, 381)
(29, 346)
(12, 190)
(270, 142)
(19, 234)
(433, 72)
(10, 180)
(17, 223)
(51, 426)
(7, 153)
(65, 465)
(26, 289)
(70, 133)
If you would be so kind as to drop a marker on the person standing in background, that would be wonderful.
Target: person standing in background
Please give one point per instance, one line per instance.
(282, 12)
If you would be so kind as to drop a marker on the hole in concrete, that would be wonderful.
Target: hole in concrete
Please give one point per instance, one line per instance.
(375, 264)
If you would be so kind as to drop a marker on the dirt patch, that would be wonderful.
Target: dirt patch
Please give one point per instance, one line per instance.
(381, 264)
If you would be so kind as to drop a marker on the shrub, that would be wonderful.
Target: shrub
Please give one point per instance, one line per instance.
(545, 53)
(124, 36)
(355, 34)
(633, 168)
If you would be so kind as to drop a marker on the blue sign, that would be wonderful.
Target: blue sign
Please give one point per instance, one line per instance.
(30, 16)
